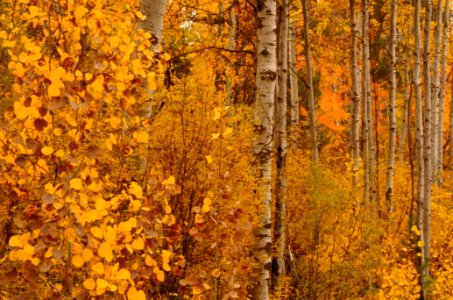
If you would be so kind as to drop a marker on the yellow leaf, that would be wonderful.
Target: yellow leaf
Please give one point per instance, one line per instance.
(15, 241)
(141, 136)
(169, 180)
(29, 249)
(98, 268)
(123, 274)
(87, 254)
(47, 150)
(80, 11)
(3, 35)
(228, 131)
(165, 260)
(54, 89)
(75, 183)
(105, 250)
(160, 275)
(134, 294)
(206, 205)
(420, 244)
(89, 284)
(149, 261)
(140, 15)
(102, 283)
(209, 158)
(169, 220)
(97, 232)
(138, 244)
(198, 219)
(215, 136)
(77, 261)
(216, 114)
(197, 290)
(136, 190)
(88, 76)
(115, 122)
(215, 273)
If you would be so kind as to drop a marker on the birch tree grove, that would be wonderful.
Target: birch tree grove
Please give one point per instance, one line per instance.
(266, 75)
(158, 149)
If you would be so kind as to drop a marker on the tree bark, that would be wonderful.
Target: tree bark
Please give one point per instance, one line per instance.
(293, 77)
(154, 10)
(280, 195)
(369, 193)
(435, 94)
(391, 108)
(406, 112)
(230, 46)
(266, 74)
(355, 94)
(443, 82)
(311, 98)
(427, 139)
(419, 126)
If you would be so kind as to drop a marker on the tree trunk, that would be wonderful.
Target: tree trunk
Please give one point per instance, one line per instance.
(435, 94)
(280, 195)
(311, 98)
(443, 82)
(154, 10)
(369, 192)
(230, 46)
(293, 81)
(427, 138)
(406, 112)
(419, 126)
(266, 74)
(355, 94)
(392, 113)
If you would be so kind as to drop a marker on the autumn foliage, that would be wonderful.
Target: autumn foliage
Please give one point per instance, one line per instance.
(99, 201)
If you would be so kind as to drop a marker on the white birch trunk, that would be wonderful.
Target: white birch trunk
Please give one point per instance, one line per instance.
(280, 195)
(293, 80)
(391, 107)
(311, 98)
(419, 127)
(266, 74)
(154, 10)
(435, 94)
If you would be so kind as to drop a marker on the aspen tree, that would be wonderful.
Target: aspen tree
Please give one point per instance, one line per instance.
(443, 82)
(154, 11)
(406, 100)
(230, 46)
(370, 188)
(435, 93)
(427, 139)
(280, 195)
(419, 133)
(311, 97)
(293, 81)
(391, 108)
(355, 94)
(266, 74)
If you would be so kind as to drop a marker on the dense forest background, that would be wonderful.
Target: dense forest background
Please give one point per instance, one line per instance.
(195, 149)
